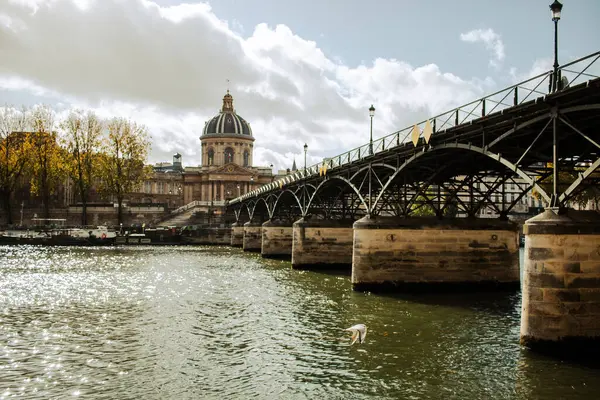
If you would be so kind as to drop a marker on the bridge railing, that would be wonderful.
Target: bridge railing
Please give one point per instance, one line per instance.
(572, 73)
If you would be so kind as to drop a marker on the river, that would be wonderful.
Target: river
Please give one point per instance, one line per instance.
(218, 323)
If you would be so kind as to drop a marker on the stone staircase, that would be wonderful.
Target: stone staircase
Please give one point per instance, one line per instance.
(178, 220)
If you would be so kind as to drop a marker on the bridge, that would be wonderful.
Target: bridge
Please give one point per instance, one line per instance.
(403, 210)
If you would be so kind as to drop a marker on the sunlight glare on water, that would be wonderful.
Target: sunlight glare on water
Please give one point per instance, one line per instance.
(210, 322)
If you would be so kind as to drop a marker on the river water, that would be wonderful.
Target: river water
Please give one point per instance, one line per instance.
(218, 323)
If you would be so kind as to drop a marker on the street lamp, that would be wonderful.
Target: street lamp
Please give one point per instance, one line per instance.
(371, 114)
(238, 188)
(556, 8)
(305, 149)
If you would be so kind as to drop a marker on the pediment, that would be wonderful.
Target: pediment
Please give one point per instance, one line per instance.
(231, 169)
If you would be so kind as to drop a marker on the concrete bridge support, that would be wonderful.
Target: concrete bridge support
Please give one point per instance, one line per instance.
(322, 244)
(561, 283)
(429, 254)
(252, 236)
(237, 235)
(277, 239)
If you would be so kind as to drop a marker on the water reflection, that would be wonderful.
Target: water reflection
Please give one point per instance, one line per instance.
(186, 323)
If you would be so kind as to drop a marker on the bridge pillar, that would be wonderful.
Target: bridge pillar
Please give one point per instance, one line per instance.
(561, 283)
(237, 235)
(321, 243)
(252, 236)
(430, 254)
(277, 239)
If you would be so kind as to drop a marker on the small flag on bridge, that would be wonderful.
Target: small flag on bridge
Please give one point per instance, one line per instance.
(323, 170)
(416, 132)
(427, 132)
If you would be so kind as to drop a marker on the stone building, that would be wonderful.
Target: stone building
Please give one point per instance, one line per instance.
(227, 153)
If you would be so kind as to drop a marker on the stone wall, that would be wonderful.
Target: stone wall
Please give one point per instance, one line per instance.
(409, 253)
(322, 243)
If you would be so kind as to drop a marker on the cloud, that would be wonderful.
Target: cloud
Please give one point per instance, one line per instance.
(167, 67)
(490, 39)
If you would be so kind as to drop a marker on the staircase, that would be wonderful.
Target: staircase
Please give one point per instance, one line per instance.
(178, 220)
(181, 216)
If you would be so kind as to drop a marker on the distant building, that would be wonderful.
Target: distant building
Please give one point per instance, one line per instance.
(226, 171)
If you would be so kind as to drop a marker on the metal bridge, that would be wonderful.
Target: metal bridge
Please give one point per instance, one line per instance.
(522, 138)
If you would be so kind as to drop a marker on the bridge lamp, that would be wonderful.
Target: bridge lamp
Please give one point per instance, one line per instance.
(371, 114)
(305, 150)
(556, 8)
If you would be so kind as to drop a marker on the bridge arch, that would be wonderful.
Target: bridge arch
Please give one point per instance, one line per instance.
(288, 193)
(329, 181)
(465, 147)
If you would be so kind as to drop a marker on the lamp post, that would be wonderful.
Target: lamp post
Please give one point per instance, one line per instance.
(371, 114)
(556, 8)
(272, 175)
(238, 188)
(305, 149)
(304, 187)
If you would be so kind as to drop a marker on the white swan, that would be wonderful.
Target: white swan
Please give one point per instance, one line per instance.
(359, 332)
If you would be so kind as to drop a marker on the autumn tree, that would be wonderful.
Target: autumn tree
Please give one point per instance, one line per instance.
(47, 163)
(14, 149)
(82, 134)
(124, 153)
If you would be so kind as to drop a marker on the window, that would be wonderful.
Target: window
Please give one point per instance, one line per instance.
(228, 155)
(147, 187)
(211, 156)
(246, 158)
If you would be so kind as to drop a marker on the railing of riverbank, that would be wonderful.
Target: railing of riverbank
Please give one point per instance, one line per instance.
(574, 72)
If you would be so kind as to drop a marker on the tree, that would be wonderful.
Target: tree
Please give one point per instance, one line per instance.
(124, 152)
(47, 165)
(14, 148)
(581, 198)
(82, 134)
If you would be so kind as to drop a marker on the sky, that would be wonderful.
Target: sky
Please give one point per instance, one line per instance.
(299, 71)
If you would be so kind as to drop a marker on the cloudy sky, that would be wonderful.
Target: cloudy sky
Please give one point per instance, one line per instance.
(299, 70)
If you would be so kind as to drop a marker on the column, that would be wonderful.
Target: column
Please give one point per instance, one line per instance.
(561, 283)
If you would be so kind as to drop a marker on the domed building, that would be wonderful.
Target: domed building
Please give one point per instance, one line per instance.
(227, 152)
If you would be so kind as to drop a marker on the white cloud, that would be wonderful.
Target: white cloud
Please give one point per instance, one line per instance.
(167, 67)
(490, 39)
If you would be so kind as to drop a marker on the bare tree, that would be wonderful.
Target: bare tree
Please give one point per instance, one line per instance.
(82, 133)
(14, 148)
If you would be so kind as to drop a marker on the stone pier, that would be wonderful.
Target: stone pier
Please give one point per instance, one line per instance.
(322, 244)
(561, 283)
(252, 236)
(237, 235)
(430, 254)
(277, 239)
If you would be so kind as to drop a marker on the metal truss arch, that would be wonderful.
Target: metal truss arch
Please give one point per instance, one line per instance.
(278, 198)
(468, 147)
(347, 181)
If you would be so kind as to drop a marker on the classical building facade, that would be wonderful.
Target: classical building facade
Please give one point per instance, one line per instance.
(227, 153)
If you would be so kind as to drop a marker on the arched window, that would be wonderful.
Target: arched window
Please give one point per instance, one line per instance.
(246, 158)
(211, 156)
(228, 155)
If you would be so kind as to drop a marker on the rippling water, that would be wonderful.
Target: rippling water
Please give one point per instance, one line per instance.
(189, 323)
